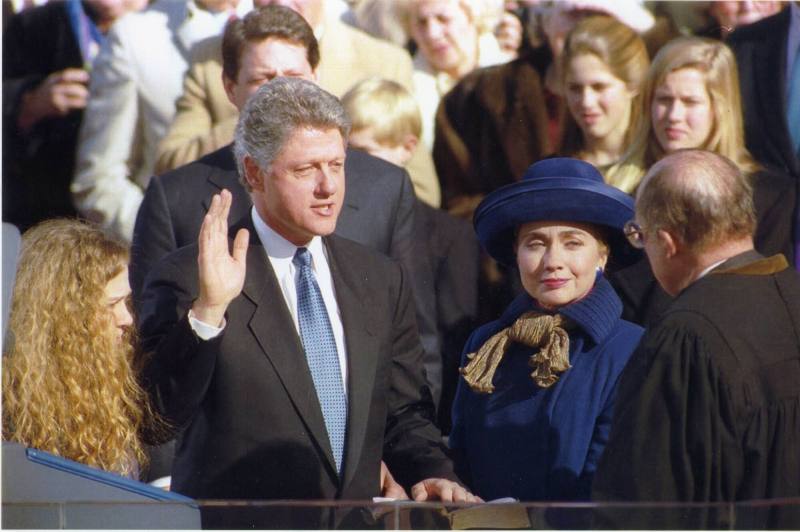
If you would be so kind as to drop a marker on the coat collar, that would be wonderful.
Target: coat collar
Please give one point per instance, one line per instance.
(596, 314)
(752, 263)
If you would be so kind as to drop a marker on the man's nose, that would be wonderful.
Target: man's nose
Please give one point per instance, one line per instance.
(328, 182)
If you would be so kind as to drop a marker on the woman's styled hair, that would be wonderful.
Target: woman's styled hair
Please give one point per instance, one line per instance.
(718, 65)
(69, 387)
(484, 14)
(622, 51)
(385, 107)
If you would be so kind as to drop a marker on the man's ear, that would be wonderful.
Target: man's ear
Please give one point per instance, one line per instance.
(668, 242)
(253, 174)
(410, 143)
(229, 85)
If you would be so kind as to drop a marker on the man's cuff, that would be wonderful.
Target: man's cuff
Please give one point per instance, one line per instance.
(203, 330)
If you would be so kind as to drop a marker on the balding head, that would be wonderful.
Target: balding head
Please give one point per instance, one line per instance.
(700, 197)
(696, 210)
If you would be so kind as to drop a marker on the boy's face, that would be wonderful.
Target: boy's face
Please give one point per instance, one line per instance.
(363, 139)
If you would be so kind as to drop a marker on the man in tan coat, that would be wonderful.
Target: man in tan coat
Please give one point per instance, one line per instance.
(205, 118)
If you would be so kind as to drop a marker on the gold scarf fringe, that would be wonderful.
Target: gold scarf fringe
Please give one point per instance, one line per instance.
(532, 329)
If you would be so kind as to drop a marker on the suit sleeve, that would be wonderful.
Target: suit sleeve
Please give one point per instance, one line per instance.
(673, 435)
(413, 447)
(179, 366)
(195, 131)
(101, 189)
(153, 235)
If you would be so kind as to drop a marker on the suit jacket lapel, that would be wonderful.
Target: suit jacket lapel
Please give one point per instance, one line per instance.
(274, 330)
(362, 349)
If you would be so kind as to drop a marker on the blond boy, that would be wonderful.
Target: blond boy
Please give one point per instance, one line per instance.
(386, 120)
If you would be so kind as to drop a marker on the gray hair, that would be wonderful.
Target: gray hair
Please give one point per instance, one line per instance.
(277, 109)
(701, 196)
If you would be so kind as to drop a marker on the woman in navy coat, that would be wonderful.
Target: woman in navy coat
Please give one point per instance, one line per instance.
(534, 405)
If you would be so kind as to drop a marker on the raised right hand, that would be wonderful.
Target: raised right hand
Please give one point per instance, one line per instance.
(221, 274)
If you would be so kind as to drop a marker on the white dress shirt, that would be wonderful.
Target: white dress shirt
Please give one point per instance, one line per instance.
(280, 253)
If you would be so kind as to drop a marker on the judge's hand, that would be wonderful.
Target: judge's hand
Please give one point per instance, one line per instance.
(432, 489)
(59, 94)
(389, 486)
(221, 274)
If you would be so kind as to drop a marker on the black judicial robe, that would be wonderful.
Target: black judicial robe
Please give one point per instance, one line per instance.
(708, 408)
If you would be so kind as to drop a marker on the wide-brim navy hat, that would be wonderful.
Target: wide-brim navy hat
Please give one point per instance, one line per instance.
(557, 189)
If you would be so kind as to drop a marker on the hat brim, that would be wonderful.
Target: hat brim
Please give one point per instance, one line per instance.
(552, 199)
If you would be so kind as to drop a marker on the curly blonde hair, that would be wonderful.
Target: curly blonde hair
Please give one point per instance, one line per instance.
(69, 386)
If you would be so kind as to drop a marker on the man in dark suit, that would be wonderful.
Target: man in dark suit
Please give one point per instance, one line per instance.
(236, 343)
(701, 406)
(269, 42)
(768, 55)
(762, 53)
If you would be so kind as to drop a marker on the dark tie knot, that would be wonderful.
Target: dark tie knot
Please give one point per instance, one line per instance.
(301, 258)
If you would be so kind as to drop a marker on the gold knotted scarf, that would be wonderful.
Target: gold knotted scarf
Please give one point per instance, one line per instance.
(532, 329)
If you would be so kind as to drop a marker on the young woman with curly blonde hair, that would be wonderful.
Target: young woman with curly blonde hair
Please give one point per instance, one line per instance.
(69, 385)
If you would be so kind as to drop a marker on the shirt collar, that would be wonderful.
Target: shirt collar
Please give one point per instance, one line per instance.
(277, 247)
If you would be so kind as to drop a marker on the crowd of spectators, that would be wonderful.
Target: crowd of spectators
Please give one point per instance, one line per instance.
(543, 125)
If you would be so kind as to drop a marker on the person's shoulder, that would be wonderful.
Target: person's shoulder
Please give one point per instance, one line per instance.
(490, 85)
(619, 344)
(629, 330)
(219, 162)
(773, 178)
(365, 166)
(45, 18)
(755, 33)
(208, 50)
(364, 41)
(160, 15)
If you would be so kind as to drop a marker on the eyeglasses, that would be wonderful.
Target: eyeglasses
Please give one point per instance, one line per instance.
(634, 233)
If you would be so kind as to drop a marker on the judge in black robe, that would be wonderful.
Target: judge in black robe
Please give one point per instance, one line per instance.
(708, 408)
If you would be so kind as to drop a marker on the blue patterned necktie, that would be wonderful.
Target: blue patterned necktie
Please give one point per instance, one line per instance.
(320, 346)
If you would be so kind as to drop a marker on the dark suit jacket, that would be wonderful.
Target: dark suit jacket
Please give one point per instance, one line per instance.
(246, 399)
(453, 255)
(760, 50)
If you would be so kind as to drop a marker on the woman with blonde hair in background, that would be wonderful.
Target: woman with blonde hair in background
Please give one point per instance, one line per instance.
(603, 66)
(691, 99)
(69, 384)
